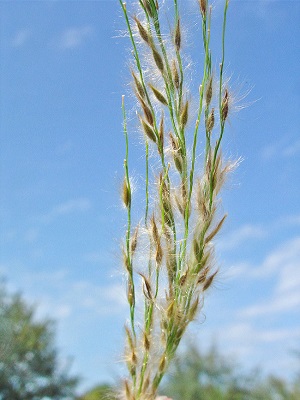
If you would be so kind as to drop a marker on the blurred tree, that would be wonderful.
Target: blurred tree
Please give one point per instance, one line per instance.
(29, 365)
(99, 392)
(210, 376)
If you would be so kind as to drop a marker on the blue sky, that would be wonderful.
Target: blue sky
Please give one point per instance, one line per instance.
(64, 67)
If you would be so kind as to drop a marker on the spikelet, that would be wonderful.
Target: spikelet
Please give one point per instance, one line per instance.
(209, 281)
(160, 97)
(148, 130)
(130, 293)
(134, 240)
(208, 92)
(184, 114)
(225, 106)
(139, 87)
(177, 36)
(175, 75)
(177, 156)
(161, 135)
(148, 7)
(126, 194)
(158, 59)
(203, 7)
(210, 121)
(146, 287)
(142, 31)
(215, 230)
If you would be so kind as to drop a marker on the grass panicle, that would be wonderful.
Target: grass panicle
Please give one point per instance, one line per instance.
(170, 261)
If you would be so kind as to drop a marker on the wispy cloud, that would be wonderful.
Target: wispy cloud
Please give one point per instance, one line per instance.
(74, 37)
(20, 38)
(283, 266)
(240, 235)
(284, 148)
(68, 207)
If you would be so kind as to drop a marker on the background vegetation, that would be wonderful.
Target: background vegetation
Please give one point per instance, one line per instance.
(30, 367)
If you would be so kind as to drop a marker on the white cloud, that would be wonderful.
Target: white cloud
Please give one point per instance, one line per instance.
(68, 207)
(240, 235)
(20, 38)
(74, 37)
(283, 148)
(277, 304)
(283, 266)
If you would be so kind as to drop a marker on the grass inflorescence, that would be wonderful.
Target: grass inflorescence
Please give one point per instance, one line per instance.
(174, 266)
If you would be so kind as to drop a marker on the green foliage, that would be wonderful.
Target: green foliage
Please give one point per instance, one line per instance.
(29, 366)
(99, 392)
(210, 376)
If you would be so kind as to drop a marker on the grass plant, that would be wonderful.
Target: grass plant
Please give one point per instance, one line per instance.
(168, 256)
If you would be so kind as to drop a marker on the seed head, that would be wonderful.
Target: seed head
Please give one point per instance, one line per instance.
(134, 238)
(177, 37)
(146, 341)
(138, 86)
(215, 230)
(160, 97)
(147, 111)
(142, 31)
(126, 194)
(146, 287)
(162, 363)
(159, 254)
(185, 114)
(148, 130)
(209, 281)
(161, 134)
(210, 121)
(158, 59)
(175, 75)
(208, 93)
(130, 293)
(225, 106)
(148, 8)
(203, 7)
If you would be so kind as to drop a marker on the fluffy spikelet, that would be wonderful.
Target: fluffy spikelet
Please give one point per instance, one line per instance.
(162, 363)
(142, 31)
(209, 281)
(134, 240)
(210, 121)
(126, 194)
(175, 75)
(161, 135)
(203, 7)
(139, 87)
(208, 92)
(147, 111)
(130, 293)
(148, 130)
(185, 114)
(158, 60)
(147, 287)
(148, 8)
(225, 106)
(160, 97)
(177, 36)
(215, 230)
(177, 156)
(146, 341)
